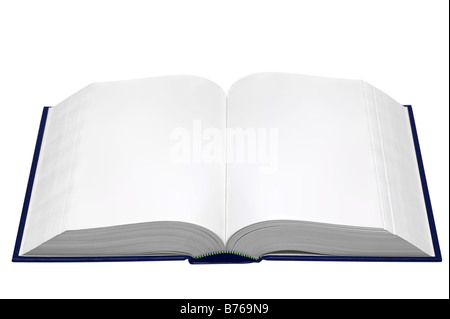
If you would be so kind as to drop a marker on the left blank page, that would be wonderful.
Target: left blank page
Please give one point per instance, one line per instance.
(107, 159)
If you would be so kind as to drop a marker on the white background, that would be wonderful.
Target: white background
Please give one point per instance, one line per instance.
(50, 49)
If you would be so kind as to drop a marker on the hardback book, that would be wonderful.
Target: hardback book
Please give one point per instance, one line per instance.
(281, 167)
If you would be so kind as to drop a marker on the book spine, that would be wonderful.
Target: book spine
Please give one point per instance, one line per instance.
(223, 257)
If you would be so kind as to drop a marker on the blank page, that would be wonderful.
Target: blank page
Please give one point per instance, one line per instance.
(106, 159)
(322, 168)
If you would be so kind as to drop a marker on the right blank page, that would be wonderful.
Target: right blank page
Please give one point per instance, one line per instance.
(322, 156)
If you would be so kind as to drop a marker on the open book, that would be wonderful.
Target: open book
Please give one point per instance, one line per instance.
(283, 166)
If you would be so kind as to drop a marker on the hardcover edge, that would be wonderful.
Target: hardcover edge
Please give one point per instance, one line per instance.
(227, 258)
(26, 201)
